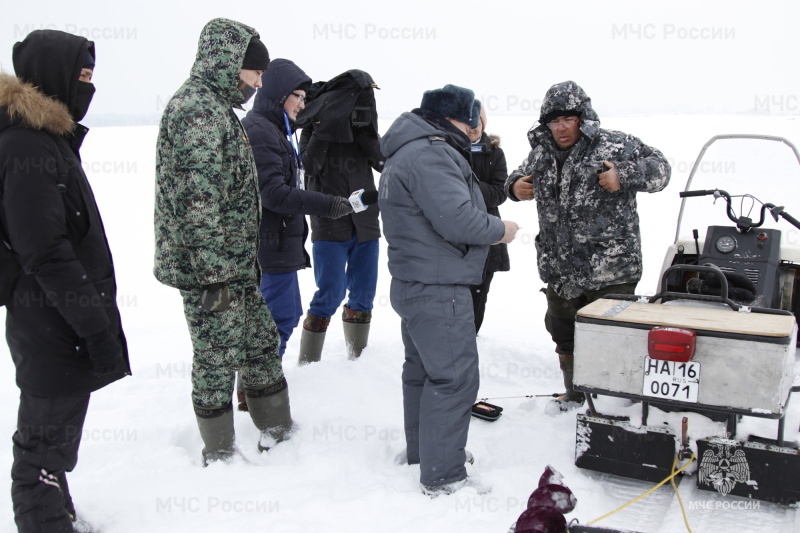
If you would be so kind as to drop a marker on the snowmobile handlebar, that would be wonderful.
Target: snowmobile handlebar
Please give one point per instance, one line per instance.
(777, 211)
(687, 194)
(744, 223)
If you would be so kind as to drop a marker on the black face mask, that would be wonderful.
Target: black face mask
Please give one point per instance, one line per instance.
(83, 97)
(247, 91)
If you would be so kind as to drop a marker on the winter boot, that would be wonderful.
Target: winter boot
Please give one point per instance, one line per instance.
(216, 430)
(79, 525)
(312, 339)
(356, 330)
(271, 414)
(571, 399)
(68, 504)
(434, 491)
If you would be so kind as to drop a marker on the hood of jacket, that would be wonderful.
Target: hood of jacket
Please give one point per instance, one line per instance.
(51, 61)
(490, 140)
(220, 54)
(21, 103)
(413, 125)
(563, 96)
(281, 78)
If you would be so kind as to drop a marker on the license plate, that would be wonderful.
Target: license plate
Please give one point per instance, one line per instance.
(671, 380)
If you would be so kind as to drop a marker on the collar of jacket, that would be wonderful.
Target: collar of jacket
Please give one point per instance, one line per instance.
(275, 117)
(454, 136)
(222, 95)
(488, 141)
(29, 108)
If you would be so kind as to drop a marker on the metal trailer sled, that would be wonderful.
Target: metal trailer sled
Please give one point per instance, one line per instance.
(718, 339)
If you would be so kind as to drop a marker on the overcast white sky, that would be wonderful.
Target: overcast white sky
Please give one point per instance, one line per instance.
(631, 57)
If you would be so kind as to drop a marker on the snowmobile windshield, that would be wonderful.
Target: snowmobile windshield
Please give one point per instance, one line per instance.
(767, 168)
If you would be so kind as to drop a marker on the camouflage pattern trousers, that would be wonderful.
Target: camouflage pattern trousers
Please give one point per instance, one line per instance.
(242, 338)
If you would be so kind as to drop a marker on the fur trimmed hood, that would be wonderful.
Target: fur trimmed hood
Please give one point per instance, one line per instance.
(23, 104)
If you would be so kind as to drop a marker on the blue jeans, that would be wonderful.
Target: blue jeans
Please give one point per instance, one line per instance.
(282, 294)
(344, 267)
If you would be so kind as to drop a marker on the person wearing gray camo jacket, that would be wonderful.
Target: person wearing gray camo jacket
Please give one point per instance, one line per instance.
(589, 243)
(207, 214)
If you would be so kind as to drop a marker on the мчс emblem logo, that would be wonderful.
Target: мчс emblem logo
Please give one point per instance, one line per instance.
(725, 468)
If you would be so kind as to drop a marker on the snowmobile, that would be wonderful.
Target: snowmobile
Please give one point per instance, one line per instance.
(705, 367)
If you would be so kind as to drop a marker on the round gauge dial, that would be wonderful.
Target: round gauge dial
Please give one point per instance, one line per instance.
(726, 244)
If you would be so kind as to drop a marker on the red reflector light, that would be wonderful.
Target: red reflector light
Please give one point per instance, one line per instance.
(671, 344)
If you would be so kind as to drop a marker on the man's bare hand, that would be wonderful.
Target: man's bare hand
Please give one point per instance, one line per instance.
(523, 188)
(510, 233)
(609, 180)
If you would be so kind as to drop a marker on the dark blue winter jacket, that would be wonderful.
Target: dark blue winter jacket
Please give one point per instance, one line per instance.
(283, 228)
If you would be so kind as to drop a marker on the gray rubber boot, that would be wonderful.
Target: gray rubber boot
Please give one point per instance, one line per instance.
(313, 338)
(355, 336)
(356, 331)
(218, 436)
(272, 415)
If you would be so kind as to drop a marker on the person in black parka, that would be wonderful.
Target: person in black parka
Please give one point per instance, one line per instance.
(62, 324)
(489, 166)
(281, 253)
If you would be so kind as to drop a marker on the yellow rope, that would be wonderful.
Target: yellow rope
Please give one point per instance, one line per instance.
(678, 494)
(670, 478)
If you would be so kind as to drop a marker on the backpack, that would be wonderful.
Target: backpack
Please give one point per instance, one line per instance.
(10, 269)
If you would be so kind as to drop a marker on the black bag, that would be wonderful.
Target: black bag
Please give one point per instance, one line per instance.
(340, 104)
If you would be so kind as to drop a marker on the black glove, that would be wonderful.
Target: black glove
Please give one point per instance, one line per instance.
(339, 207)
(105, 353)
(215, 297)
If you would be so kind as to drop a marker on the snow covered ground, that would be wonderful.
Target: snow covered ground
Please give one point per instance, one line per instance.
(139, 468)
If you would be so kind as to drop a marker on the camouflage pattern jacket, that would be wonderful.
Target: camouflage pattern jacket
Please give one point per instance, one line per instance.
(588, 237)
(207, 204)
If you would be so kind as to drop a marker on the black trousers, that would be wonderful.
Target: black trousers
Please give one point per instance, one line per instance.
(559, 320)
(479, 295)
(45, 448)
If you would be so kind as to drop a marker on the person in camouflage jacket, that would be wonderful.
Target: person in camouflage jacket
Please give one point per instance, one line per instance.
(589, 242)
(207, 213)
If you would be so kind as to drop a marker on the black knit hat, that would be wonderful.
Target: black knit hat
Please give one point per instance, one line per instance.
(453, 102)
(256, 57)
